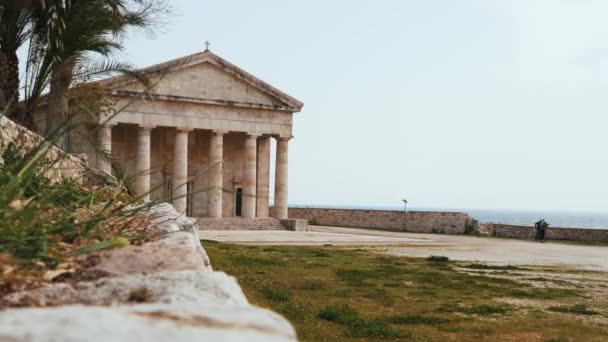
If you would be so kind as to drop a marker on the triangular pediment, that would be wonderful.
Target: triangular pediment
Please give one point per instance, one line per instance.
(204, 77)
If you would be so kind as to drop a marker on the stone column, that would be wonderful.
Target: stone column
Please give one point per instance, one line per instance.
(142, 162)
(281, 179)
(180, 170)
(263, 176)
(249, 178)
(104, 138)
(216, 175)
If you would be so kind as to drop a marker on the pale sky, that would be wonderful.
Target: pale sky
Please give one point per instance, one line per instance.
(457, 104)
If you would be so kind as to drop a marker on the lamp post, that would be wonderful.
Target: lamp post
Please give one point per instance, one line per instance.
(405, 211)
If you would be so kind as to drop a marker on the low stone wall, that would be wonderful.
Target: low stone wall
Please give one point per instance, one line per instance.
(412, 221)
(553, 233)
(164, 290)
(67, 167)
(258, 223)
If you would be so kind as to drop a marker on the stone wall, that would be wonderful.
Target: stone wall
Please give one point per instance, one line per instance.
(413, 221)
(258, 223)
(164, 290)
(553, 233)
(67, 167)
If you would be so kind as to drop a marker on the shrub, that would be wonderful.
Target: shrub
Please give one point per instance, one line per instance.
(438, 258)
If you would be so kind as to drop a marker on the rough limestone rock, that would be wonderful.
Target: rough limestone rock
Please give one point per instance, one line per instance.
(161, 291)
(67, 167)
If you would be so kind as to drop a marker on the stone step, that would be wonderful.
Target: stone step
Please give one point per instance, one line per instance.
(239, 223)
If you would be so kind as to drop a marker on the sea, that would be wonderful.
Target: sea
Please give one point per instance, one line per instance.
(562, 218)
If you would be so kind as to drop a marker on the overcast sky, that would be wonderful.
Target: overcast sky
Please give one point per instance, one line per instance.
(457, 104)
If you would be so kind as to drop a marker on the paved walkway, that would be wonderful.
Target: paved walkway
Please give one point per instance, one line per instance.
(456, 247)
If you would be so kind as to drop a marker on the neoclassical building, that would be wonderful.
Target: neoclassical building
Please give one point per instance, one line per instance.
(200, 133)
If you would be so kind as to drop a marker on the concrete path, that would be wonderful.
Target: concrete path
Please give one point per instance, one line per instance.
(456, 247)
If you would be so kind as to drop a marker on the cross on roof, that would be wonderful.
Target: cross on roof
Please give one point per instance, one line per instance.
(207, 45)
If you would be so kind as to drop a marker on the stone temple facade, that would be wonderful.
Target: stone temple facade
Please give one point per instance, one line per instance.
(199, 132)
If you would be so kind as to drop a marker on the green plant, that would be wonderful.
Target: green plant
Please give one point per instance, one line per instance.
(438, 258)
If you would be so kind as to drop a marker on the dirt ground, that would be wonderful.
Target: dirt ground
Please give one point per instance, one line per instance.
(456, 247)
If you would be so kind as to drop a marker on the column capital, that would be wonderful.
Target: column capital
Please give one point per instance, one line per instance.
(184, 129)
(219, 132)
(107, 124)
(283, 137)
(146, 128)
(254, 135)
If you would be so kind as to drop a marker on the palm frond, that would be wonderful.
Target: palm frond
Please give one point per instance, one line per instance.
(88, 71)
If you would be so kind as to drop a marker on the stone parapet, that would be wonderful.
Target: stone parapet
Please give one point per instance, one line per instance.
(160, 291)
(240, 223)
(553, 233)
(412, 221)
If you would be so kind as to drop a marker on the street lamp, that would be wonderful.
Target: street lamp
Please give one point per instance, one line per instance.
(405, 211)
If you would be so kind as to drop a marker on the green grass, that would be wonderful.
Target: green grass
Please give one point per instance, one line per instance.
(417, 319)
(357, 295)
(494, 267)
(356, 325)
(578, 309)
(275, 294)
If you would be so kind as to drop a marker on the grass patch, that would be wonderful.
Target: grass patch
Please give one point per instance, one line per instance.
(343, 314)
(357, 326)
(361, 295)
(494, 267)
(311, 285)
(249, 261)
(417, 319)
(355, 277)
(485, 310)
(578, 309)
(392, 284)
(294, 311)
(543, 293)
(481, 310)
(275, 294)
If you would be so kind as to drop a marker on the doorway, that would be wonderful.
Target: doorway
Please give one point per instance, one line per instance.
(238, 205)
